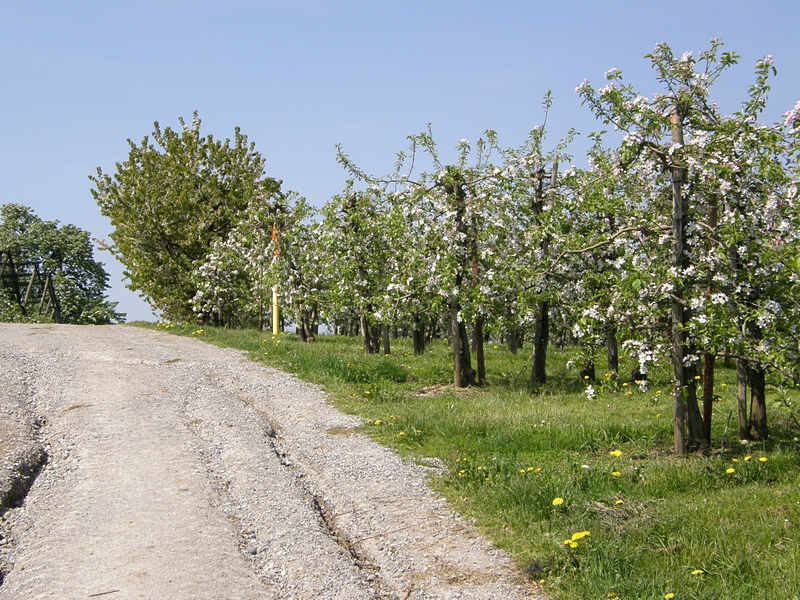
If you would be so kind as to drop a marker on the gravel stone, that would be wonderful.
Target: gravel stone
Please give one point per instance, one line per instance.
(165, 468)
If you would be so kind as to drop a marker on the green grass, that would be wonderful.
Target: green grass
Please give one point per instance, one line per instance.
(510, 452)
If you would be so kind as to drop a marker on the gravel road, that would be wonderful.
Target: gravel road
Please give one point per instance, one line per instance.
(172, 469)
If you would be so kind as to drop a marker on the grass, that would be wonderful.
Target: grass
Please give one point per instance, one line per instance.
(657, 524)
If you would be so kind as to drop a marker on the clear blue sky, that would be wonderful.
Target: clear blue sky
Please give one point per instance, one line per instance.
(78, 78)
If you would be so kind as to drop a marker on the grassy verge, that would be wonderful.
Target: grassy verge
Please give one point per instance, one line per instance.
(539, 470)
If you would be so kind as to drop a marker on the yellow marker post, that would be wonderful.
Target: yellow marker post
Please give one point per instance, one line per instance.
(276, 312)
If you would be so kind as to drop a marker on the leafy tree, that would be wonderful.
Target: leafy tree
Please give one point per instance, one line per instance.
(174, 201)
(64, 252)
(718, 183)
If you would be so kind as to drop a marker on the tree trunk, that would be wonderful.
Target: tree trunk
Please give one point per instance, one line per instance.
(366, 342)
(418, 335)
(541, 333)
(612, 351)
(741, 398)
(478, 340)
(694, 420)
(308, 333)
(513, 346)
(463, 375)
(385, 338)
(758, 405)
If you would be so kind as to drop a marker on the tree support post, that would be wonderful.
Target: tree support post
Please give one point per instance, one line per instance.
(276, 312)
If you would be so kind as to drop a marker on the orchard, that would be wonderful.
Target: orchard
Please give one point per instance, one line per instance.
(679, 243)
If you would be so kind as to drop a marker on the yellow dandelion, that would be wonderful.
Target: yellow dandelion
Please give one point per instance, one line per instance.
(618, 502)
(669, 596)
(729, 471)
(615, 453)
(580, 535)
(522, 471)
(558, 501)
(762, 459)
(698, 572)
(586, 377)
(747, 458)
(529, 469)
(616, 474)
(658, 416)
(402, 433)
(378, 422)
(611, 595)
(538, 469)
(570, 543)
(736, 460)
(367, 392)
(697, 377)
(724, 385)
(625, 384)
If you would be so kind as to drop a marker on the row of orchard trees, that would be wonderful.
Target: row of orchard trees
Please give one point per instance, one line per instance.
(681, 242)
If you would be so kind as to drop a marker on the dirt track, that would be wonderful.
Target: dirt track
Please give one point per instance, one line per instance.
(176, 470)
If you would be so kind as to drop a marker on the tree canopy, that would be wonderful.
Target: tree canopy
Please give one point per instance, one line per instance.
(67, 255)
(176, 199)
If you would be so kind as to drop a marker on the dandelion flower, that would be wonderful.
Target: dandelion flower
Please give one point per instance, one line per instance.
(522, 471)
(616, 474)
(558, 501)
(378, 422)
(658, 416)
(736, 460)
(729, 471)
(529, 469)
(615, 453)
(580, 535)
(747, 458)
(618, 502)
(669, 596)
(538, 469)
(570, 543)
(762, 459)
(698, 572)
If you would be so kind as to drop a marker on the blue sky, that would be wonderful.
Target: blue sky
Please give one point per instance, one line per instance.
(78, 78)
